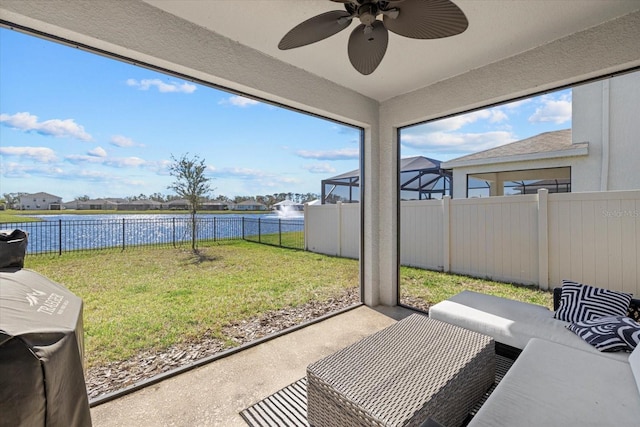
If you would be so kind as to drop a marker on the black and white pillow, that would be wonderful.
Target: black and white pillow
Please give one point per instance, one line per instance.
(612, 333)
(580, 302)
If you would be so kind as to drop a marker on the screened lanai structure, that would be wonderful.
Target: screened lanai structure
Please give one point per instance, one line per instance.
(420, 178)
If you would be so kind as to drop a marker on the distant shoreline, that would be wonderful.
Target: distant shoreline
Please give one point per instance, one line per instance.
(9, 216)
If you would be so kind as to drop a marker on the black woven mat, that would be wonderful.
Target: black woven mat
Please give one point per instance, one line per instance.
(284, 408)
(288, 407)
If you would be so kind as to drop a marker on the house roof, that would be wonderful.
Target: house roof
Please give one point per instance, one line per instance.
(408, 164)
(178, 202)
(543, 146)
(41, 194)
(249, 203)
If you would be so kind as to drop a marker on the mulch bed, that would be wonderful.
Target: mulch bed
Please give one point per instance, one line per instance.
(115, 376)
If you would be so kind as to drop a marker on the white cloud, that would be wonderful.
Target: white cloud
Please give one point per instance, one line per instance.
(243, 173)
(130, 162)
(163, 87)
(320, 168)
(516, 104)
(161, 167)
(341, 154)
(14, 170)
(55, 127)
(493, 115)
(239, 101)
(98, 152)
(556, 111)
(22, 171)
(123, 141)
(463, 143)
(40, 154)
(117, 162)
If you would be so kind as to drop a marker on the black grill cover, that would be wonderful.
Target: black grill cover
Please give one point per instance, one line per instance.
(41, 353)
(13, 246)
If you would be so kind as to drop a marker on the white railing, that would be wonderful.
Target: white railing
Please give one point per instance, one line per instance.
(533, 239)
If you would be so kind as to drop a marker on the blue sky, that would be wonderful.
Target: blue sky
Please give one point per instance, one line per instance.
(74, 123)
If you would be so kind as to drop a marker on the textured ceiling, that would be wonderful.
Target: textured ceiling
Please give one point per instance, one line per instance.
(497, 29)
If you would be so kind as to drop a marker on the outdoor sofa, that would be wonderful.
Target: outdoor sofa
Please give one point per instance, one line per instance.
(558, 379)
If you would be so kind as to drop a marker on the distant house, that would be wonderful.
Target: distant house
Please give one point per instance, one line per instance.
(97, 205)
(596, 154)
(249, 205)
(70, 205)
(214, 206)
(542, 161)
(40, 202)
(139, 205)
(179, 204)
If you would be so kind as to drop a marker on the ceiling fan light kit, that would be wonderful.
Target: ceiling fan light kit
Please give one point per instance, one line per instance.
(417, 19)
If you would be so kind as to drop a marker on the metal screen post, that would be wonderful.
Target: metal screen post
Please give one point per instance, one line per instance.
(259, 231)
(123, 237)
(59, 237)
(279, 231)
(214, 229)
(243, 228)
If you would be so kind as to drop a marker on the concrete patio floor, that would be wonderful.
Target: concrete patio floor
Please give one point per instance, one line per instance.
(214, 394)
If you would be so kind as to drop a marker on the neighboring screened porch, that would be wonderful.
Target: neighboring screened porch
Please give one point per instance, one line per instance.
(420, 178)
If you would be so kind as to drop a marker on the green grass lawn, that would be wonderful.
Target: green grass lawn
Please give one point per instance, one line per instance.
(433, 287)
(154, 297)
(14, 216)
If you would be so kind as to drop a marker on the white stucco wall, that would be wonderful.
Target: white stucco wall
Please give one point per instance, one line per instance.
(607, 114)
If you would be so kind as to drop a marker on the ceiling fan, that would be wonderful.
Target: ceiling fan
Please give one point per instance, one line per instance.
(417, 19)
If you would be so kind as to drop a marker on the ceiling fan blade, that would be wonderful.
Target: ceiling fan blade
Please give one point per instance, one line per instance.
(315, 29)
(366, 50)
(427, 19)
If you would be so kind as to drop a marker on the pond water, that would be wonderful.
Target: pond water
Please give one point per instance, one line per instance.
(68, 232)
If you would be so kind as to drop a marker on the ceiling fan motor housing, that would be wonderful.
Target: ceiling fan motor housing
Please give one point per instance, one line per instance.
(368, 13)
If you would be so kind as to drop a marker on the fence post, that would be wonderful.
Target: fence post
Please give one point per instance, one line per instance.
(339, 228)
(259, 231)
(543, 238)
(59, 237)
(243, 228)
(173, 233)
(214, 229)
(280, 232)
(306, 229)
(446, 233)
(123, 237)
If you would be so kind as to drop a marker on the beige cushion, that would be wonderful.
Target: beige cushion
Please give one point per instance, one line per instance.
(555, 385)
(510, 322)
(634, 361)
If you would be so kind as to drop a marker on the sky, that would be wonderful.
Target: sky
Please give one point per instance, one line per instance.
(73, 123)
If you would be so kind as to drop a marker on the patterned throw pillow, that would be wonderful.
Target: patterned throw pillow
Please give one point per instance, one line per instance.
(580, 302)
(614, 333)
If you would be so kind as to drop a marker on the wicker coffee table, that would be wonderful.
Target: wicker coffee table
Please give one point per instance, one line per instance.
(400, 376)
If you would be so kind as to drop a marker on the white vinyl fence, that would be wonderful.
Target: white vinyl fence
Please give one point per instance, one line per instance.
(537, 239)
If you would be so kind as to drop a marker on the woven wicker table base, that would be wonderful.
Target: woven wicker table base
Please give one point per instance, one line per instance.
(400, 376)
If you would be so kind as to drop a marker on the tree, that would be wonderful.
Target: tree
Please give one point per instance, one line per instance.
(13, 199)
(190, 184)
